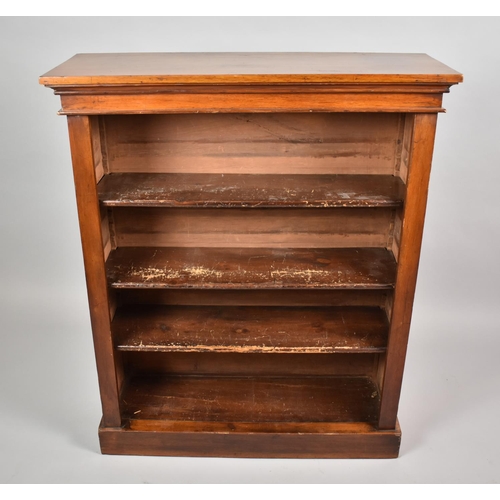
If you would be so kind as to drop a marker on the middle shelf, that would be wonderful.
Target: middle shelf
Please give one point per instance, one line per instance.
(247, 329)
(251, 268)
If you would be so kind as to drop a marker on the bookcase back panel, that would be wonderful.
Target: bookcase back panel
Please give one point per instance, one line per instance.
(369, 298)
(274, 143)
(284, 365)
(271, 228)
(245, 399)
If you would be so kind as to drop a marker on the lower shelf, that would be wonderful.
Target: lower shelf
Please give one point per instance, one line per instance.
(306, 417)
(251, 399)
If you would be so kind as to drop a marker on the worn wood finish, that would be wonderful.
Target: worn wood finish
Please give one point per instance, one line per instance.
(99, 162)
(250, 329)
(406, 142)
(84, 171)
(409, 255)
(250, 191)
(243, 268)
(254, 399)
(241, 228)
(251, 246)
(274, 143)
(396, 233)
(239, 440)
(107, 243)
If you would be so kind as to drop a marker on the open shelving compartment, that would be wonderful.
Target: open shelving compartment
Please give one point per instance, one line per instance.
(251, 229)
(252, 260)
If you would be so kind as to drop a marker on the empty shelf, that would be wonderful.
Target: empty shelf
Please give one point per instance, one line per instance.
(251, 399)
(245, 190)
(250, 329)
(247, 268)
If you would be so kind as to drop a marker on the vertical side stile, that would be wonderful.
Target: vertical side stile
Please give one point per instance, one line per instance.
(422, 144)
(81, 136)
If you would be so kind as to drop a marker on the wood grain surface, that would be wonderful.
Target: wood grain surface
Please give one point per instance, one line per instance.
(251, 440)
(250, 191)
(252, 399)
(245, 67)
(250, 329)
(246, 143)
(243, 268)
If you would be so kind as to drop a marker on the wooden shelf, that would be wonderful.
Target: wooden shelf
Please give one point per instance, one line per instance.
(244, 268)
(251, 399)
(250, 329)
(248, 191)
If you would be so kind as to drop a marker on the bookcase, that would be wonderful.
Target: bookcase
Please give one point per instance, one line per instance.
(251, 226)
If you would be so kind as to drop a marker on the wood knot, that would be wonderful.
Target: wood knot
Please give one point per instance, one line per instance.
(241, 330)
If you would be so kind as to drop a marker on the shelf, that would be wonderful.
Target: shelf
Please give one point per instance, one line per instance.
(246, 268)
(251, 399)
(250, 329)
(240, 190)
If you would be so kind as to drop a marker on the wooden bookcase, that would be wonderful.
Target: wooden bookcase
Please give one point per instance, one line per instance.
(251, 228)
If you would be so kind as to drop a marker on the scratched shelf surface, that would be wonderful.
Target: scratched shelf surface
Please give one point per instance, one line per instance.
(249, 268)
(251, 399)
(245, 190)
(250, 329)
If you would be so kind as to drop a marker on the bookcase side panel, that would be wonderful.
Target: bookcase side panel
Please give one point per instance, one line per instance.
(422, 144)
(84, 161)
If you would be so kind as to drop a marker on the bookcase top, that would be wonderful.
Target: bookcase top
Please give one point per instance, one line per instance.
(121, 69)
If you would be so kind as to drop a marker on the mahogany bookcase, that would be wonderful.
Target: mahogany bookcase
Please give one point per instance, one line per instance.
(251, 227)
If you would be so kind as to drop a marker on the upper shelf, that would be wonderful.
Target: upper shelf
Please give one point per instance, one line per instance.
(243, 190)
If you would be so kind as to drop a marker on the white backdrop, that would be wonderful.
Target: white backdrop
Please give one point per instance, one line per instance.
(49, 411)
